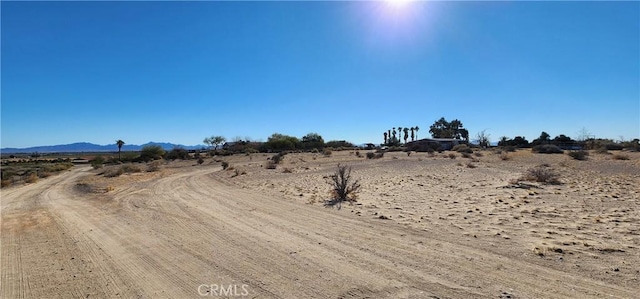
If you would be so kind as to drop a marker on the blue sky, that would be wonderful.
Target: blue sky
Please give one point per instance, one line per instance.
(181, 71)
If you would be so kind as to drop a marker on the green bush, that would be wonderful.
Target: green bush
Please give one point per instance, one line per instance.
(178, 153)
(151, 152)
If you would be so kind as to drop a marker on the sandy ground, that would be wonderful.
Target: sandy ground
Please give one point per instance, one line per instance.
(423, 227)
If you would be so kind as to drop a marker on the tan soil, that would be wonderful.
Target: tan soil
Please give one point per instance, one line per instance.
(452, 231)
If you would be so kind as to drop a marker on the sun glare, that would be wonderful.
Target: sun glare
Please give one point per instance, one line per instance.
(397, 3)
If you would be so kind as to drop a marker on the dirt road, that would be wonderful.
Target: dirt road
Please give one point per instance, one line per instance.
(189, 235)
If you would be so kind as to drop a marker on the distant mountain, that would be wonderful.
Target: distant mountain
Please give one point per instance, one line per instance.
(90, 147)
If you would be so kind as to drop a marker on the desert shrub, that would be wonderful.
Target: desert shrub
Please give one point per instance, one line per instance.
(277, 158)
(154, 166)
(343, 186)
(151, 152)
(371, 155)
(130, 168)
(620, 157)
(462, 148)
(6, 183)
(287, 170)
(509, 148)
(315, 151)
(31, 178)
(200, 160)
(97, 162)
(452, 156)
(542, 174)
(238, 172)
(117, 171)
(547, 149)
(470, 165)
(225, 165)
(504, 156)
(395, 149)
(602, 150)
(358, 154)
(466, 155)
(478, 154)
(271, 165)
(178, 153)
(327, 152)
(579, 155)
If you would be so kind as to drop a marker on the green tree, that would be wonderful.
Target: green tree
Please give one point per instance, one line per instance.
(280, 142)
(413, 135)
(444, 129)
(119, 143)
(543, 139)
(312, 140)
(214, 141)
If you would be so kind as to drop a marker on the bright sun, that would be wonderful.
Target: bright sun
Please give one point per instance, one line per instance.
(398, 3)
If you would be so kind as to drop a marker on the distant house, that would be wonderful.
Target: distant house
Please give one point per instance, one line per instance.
(433, 143)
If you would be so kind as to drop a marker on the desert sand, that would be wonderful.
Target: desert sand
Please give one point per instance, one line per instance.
(423, 226)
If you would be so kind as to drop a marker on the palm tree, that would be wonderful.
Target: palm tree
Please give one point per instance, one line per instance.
(417, 132)
(413, 133)
(385, 137)
(120, 143)
(394, 135)
(406, 134)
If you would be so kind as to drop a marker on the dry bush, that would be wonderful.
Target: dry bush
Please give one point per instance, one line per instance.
(541, 174)
(579, 155)
(31, 178)
(287, 170)
(602, 150)
(478, 154)
(358, 154)
(154, 166)
(271, 165)
(466, 155)
(371, 155)
(238, 172)
(462, 148)
(225, 165)
(117, 171)
(451, 156)
(6, 183)
(327, 152)
(620, 157)
(471, 165)
(344, 187)
(504, 156)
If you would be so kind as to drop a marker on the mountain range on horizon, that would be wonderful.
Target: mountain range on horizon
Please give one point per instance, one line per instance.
(79, 147)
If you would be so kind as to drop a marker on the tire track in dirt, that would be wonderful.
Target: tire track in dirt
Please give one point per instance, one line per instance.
(169, 236)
